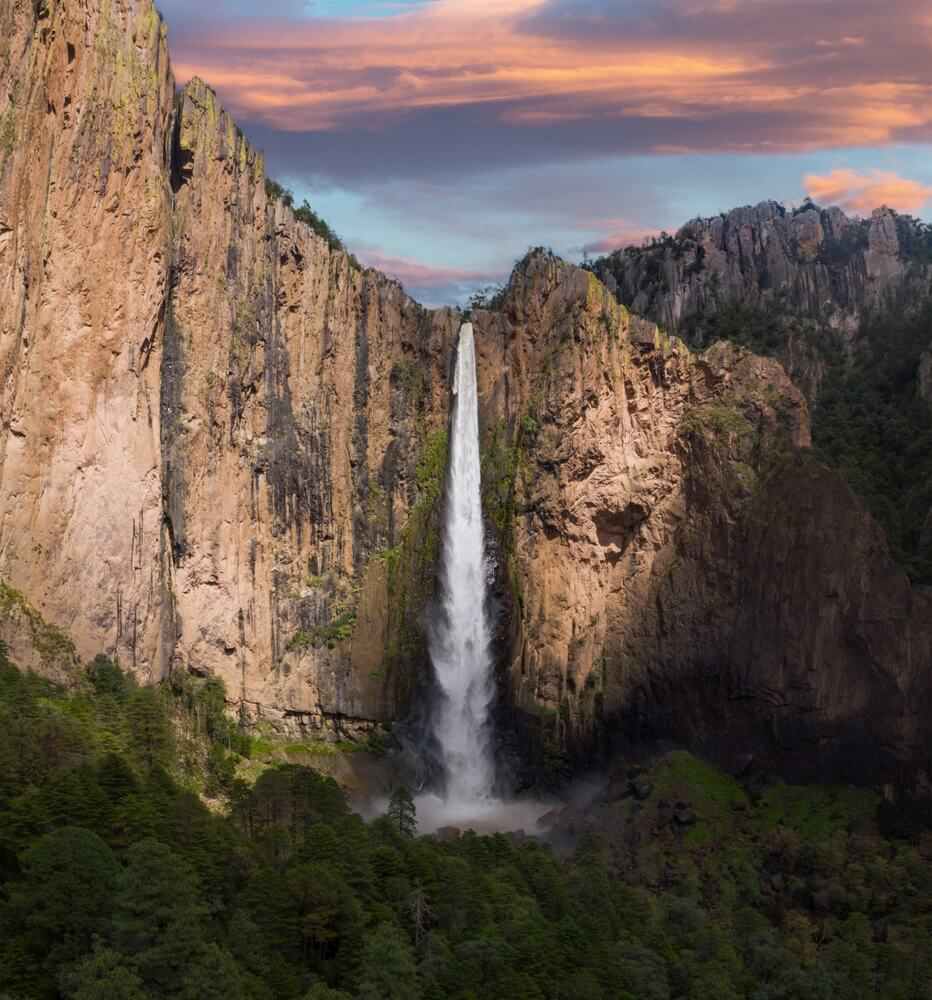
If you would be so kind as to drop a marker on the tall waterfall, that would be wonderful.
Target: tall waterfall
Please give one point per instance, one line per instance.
(460, 639)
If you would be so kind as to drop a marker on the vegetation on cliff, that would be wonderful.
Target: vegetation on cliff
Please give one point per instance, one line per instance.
(861, 376)
(868, 419)
(304, 213)
(871, 423)
(116, 880)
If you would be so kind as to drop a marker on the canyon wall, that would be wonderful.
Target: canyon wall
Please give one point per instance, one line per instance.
(678, 565)
(211, 421)
(223, 445)
(85, 257)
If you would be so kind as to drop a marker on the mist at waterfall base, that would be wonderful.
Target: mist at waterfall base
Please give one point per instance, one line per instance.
(460, 643)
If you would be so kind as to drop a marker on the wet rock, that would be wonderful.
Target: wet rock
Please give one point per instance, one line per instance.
(615, 790)
(550, 818)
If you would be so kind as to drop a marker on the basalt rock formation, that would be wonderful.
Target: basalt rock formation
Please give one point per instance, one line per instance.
(223, 443)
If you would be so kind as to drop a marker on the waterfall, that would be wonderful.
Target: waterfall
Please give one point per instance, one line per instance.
(459, 642)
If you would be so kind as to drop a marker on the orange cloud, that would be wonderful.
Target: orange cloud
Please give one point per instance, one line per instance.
(530, 63)
(861, 193)
(618, 233)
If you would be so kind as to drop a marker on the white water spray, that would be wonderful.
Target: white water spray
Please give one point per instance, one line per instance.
(459, 642)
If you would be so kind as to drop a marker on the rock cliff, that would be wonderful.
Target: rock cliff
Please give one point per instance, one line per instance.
(814, 262)
(674, 550)
(845, 304)
(223, 443)
(210, 420)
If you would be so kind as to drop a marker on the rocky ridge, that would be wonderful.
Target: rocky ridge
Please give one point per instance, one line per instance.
(674, 551)
(816, 262)
(222, 449)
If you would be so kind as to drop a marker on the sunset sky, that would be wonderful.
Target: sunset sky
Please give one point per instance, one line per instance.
(441, 138)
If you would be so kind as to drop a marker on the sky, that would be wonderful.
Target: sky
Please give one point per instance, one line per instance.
(442, 138)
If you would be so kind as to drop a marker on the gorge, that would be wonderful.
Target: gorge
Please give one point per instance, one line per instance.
(224, 445)
(460, 639)
(572, 645)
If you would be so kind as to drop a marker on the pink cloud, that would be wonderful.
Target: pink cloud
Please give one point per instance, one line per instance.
(617, 239)
(861, 193)
(712, 61)
(416, 274)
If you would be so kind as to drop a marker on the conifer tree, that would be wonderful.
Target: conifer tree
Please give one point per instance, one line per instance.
(387, 968)
(402, 811)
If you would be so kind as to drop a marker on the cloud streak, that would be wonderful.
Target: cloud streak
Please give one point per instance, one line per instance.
(427, 283)
(764, 74)
(442, 137)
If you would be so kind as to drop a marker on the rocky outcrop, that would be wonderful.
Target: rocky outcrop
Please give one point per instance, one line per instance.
(796, 284)
(811, 262)
(223, 446)
(32, 643)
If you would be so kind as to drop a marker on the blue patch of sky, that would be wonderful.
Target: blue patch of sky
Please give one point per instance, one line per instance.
(485, 220)
(334, 9)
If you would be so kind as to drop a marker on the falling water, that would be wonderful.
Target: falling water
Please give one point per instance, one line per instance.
(460, 639)
(459, 643)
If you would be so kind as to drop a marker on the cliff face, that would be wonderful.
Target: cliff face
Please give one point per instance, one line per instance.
(209, 420)
(816, 263)
(291, 432)
(845, 305)
(798, 284)
(675, 561)
(223, 445)
(85, 255)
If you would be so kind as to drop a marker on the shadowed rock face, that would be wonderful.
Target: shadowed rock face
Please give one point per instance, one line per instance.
(221, 445)
(678, 568)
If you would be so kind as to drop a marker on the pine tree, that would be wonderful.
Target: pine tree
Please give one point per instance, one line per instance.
(387, 970)
(321, 991)
(104, 975)
(66, 894)
(159, 925)
(402, 811)
(149, 728)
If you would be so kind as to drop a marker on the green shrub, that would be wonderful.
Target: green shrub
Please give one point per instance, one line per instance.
(304, 213)
(342, 627)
